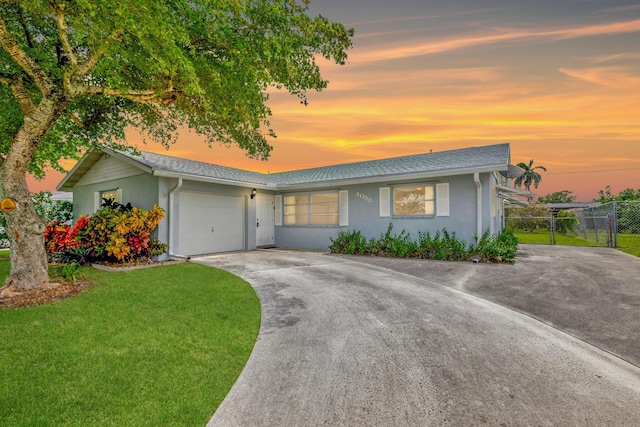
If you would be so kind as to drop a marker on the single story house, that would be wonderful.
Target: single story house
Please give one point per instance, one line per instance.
(212, 208)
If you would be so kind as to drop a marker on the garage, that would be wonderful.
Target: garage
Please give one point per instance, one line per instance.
(210, 223)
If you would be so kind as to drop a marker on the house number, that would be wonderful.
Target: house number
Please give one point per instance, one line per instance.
(364, 197)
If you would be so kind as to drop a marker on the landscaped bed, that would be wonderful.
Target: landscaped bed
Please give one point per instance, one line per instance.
(157, 346)
(440, 246)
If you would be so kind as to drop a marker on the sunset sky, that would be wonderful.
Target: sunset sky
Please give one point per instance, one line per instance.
(558, 79)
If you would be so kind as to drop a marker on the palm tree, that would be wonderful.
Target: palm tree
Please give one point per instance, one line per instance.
(529, 175)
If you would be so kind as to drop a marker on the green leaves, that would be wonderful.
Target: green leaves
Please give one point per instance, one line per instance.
(529, 175)
(157, 65)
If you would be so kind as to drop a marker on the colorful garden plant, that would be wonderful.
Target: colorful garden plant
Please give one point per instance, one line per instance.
(114, 234)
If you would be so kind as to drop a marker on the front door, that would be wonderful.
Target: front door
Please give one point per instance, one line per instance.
(265, 229)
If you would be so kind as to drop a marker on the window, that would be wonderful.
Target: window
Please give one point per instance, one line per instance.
(311, 209)
(109, 195)
(99, 196)
(418, 200)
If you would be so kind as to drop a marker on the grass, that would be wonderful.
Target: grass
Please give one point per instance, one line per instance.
(543, 237)
(627, 243)
(152, 347)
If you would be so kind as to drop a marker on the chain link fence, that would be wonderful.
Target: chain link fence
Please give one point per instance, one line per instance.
(532, 229)
(618, 222)
(614, 224)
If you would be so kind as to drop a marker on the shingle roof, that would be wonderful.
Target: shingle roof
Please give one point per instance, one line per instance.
(443, 161)
(494, 157)
(160, 162)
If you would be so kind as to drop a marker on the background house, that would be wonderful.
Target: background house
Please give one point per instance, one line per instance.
(212, 208)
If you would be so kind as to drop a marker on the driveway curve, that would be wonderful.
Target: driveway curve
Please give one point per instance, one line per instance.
(344, 342)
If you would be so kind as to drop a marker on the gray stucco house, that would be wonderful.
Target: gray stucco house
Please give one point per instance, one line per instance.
(211, 208)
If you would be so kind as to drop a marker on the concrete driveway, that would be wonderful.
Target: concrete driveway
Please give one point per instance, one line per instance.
(371, 341)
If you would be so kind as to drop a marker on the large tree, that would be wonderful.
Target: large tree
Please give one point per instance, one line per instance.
(75, 74)
(529, 175)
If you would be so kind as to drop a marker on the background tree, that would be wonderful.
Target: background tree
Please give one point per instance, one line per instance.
(74, 74)
(563, 196)
(529, 175)
(628, 194)
(627, 208)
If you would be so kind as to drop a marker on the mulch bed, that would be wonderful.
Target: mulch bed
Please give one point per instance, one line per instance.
(47, 295)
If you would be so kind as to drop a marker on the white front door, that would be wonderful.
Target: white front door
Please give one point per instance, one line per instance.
(265, 229)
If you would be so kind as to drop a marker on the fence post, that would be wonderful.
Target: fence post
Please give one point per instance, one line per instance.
(595, 224)
(552, 229)
(610, 237)
(615, 224)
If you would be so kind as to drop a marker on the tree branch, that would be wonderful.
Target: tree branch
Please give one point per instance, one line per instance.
(84, 67)
(25, 28)
(19, 91)
(62, 34)
(21, 95)
(145, 96)
(75, 119)
(30, 67)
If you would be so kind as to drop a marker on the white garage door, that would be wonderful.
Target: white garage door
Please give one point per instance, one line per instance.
(210, 223)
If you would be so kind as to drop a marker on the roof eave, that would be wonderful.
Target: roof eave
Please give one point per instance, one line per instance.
(391, 178)
(70, 179)
(200, 178)
(516, 191)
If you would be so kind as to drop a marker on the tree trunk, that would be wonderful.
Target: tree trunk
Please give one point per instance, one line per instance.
(29, 269)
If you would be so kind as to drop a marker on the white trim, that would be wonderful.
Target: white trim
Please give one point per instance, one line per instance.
(415, 177)
(511, 190)
(172, 221)
(442, 199)
(199, 178)
(476, 178)
(96, 200)
(119, 195)
(277, 200)
(344, 208)
(385, 202)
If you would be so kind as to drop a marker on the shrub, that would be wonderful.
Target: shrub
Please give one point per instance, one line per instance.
(441, 246)
(115, 233)
(52, 210)
(395, 245)
(528, 218)
(500, 247)
(350, 243)
(566, 221)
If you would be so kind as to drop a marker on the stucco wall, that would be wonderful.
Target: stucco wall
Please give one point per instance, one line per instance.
(364, 208)
(364, 215)
(140, 191)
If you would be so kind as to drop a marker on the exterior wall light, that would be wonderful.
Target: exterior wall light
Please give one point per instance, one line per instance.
(253, 193)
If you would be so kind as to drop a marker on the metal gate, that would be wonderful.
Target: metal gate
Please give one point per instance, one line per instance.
(618, 222)
(615, 224)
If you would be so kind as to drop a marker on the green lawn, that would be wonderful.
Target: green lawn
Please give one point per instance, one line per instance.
(628, 243)
(543, 237)
(153, 347)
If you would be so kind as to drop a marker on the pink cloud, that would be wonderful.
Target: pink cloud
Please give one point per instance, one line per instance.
(420, 47)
